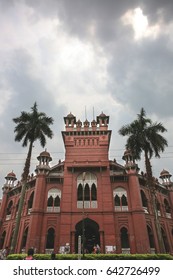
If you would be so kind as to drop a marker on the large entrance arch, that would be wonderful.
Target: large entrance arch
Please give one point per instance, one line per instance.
(92, 235)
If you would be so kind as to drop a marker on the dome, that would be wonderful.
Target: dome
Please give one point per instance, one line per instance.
(44, 154)
(102, 115)
(11, 175)
(127, 152)
(70, 116)
(164, 173)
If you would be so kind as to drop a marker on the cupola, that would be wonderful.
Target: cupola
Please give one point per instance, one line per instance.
(44, 158)
(166, 177)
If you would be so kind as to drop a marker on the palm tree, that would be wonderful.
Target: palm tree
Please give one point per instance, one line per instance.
(30, 127)
(144, 136)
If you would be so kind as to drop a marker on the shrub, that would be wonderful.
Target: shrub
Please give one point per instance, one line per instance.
(96, 257)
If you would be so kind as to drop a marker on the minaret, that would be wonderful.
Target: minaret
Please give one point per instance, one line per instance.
(44, 159)
(103, 121)
(38, 208)
(166, 181)
(9, 184)
(70, 121)
(138, 215)
(129, 160)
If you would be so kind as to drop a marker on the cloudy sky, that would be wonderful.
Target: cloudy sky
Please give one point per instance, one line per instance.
(115, 56)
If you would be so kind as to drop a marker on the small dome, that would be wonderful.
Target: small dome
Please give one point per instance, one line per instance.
(164, 173)
(44, 154)
(70, 116)
(127, 152)
(11, 175)
(102, 115)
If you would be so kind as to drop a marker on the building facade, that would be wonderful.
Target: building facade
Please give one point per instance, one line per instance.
(88, 198)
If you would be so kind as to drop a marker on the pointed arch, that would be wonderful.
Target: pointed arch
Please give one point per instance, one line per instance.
(117, 200)
(50, 238)
(120, 199)
(144, 201)
(57, 201)
(50, 201)
(54, 200)
(165, 240)
(2, 240)
(30, 202)
(124, 240)
(88, 186)
(167, 208)
(87, 193)
(80, 193)
(151, 239)
(93, 192)
(9, 207)
(24, 238)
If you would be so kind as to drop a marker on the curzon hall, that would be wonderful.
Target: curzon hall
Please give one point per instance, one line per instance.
(88, 200)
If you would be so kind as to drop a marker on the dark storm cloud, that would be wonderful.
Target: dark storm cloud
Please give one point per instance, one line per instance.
(26, 90)
(141, 75)
(138, 73)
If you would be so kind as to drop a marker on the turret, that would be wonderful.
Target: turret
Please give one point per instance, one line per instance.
(166, 177)
(44, 159)
(70, 121)
(103, 121)
(129, 160)
(9, 184)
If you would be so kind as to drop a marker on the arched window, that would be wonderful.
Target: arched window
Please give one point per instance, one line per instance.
(151, 239)
(124, 240)
(53, 200)
(144, 201)
(50, 238)
(30, 202)
(50, 201)
(87, 193)
(80, 193)
(158, 207)
(124, 200)
(167, 208)
(9, 210)
(88, 185)
(2, 240)
(17, 207)
(93, 192)
(24, 238)
(117, 201)
(120, 199)
(165, 241)
(57, 201)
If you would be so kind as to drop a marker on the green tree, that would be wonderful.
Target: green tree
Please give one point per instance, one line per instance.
(30, 127)
(145, 136)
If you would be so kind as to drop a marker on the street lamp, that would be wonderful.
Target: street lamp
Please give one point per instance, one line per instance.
(83, 213)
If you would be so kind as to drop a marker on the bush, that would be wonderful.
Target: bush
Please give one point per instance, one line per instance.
(95, 257)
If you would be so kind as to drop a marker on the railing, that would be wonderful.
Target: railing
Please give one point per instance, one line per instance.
(53, 209)
(152, 250)
(159, 213)
(168, 215)
(8, 217)
(87, 204)
(121, 208)
(125, 250)
(145, 210)
(29, 211)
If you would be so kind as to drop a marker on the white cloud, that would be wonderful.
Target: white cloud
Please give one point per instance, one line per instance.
(140, 24)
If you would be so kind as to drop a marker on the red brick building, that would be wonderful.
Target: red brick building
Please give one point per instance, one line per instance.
(88, 195)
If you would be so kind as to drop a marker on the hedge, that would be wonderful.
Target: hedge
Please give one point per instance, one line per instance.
(95, 257)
